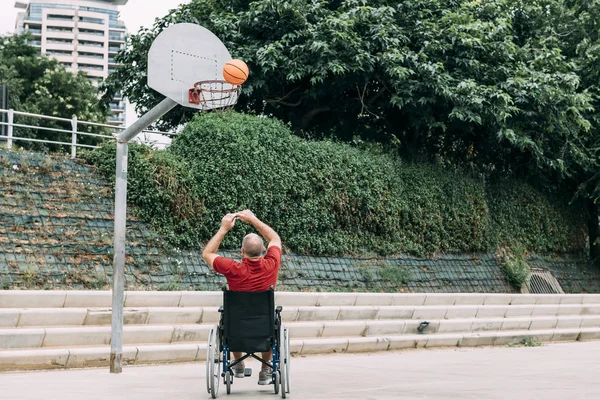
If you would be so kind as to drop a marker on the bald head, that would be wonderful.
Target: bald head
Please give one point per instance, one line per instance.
(253, 245)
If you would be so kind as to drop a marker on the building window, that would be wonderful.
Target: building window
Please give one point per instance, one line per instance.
(58, 17)
(91, 67)
(91, 32)
(59, 53)
(59, 29)
(116, 36)
(90, 43)
(89, 20)
(91, 55)
(113, 15)
(114, 49)
(59, 41)
(35, 10)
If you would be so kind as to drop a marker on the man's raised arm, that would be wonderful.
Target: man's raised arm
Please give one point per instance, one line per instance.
(210, 250)
(265, 230)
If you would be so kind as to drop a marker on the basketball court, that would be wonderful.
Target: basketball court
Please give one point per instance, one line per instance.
(549, 372)
(203, 77)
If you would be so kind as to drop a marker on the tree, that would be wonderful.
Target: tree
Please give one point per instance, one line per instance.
(571, 28)
(485, 84)
(40, 85)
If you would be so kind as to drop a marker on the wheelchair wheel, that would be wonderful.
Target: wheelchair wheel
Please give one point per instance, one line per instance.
(276, 381)
(288, 359)
(209, 357)
(282, 362)
(214, 361)
(228, 381)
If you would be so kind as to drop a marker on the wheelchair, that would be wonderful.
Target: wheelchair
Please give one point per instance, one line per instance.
(249, 323)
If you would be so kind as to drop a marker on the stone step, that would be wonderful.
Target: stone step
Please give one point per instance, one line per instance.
(43, 317)
(98, 356)
(20, 338)
(89, 299)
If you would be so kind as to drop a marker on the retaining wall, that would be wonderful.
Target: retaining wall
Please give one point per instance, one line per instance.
(56, 225)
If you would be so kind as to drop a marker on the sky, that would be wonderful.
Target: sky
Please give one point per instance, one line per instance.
(136, 14)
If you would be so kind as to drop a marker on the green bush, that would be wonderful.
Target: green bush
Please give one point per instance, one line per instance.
(322, 197)
(161, 188)
(522, 216)
(513, 262)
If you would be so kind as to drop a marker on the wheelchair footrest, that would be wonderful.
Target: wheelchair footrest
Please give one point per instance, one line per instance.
(247, 372)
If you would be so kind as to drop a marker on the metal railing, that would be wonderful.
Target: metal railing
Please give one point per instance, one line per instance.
(74, 131)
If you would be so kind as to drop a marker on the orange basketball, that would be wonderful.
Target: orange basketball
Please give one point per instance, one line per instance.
(235, 72)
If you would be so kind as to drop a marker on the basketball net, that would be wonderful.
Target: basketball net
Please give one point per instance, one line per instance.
(214, 94)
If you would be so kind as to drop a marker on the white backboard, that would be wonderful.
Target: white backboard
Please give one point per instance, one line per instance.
(184, 54)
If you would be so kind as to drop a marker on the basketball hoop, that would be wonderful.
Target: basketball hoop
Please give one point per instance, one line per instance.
(214, 94)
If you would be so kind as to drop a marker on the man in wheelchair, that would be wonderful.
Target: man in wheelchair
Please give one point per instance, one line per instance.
(255, 273)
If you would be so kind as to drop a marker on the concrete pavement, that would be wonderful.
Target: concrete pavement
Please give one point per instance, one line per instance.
(553, 371)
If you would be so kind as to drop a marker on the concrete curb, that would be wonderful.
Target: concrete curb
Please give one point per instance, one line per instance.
(89, 299)
(171, 353)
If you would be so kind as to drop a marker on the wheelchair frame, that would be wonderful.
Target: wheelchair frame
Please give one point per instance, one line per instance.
(218, 353)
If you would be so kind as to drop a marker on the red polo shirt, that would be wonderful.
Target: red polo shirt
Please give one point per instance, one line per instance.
(250, 275)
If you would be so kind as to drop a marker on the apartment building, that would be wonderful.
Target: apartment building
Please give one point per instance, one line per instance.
(82, 35)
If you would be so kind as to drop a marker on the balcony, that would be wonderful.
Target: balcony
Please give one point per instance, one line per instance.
(59, 29)
(61, 24)
(59, 53)
(94, 56)
(116, 38)
(56, 17)
(114, 49)
(94, 74)
(91, 32)
(117, 107)
(118, 25)
(114, 118)
(60, 35)
(88, 43)
(35, 42)
(34, 31)
(89, 20)
(91, 67)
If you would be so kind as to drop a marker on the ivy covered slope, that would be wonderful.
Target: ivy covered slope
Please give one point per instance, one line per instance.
(331, 198)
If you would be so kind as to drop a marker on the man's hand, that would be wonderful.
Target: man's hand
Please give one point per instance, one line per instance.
(210, 250)
(265, 230)
(228, 222)
(246, 216)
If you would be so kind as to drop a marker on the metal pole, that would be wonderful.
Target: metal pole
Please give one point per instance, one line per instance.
(9, 131)
(116, 344)
(118, 295)
(4, 105)
(74, 137)
(147, 119)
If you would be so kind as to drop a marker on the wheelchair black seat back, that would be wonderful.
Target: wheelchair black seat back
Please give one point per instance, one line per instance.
(249, 323)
